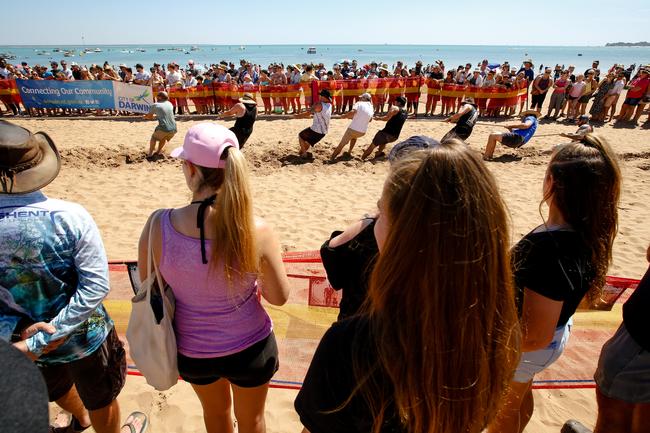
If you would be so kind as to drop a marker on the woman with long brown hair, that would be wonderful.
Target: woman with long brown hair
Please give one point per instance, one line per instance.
(212, 252)
(436, 344)
(560, 262)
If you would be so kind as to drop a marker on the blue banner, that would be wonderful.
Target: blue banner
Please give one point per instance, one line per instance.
(67, 94)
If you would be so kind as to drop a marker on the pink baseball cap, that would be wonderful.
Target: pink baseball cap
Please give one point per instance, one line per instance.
(205, 143)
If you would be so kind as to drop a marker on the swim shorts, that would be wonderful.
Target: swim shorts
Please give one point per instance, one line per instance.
(242, 135)
(252, 367)
(159, 134)
(535, 362)
(310, 136)
(381, 138)
(632, 101)
(459, 131)
(510, 139)
(623, 371)
(99, 377)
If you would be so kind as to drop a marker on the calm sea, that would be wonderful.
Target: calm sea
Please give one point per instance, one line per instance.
(452, 55)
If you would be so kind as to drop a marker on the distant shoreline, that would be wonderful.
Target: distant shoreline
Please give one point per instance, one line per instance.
(628, 44)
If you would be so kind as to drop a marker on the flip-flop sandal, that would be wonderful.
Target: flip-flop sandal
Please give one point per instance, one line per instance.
(135, 415)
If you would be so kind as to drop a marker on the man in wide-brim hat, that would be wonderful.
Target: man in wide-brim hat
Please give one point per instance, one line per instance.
(245, 112)
(465, 120)
(53, 279)
(518, 135)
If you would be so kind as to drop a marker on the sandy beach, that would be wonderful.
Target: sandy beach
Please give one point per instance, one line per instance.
(104, 170)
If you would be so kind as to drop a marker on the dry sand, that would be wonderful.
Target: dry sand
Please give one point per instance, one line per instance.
(104, 170)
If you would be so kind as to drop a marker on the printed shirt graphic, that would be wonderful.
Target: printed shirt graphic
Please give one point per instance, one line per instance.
(54, 268)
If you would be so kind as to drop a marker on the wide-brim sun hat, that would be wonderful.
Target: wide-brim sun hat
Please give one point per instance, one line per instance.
(247, 98)
(28, 162)
(365, 97)
(531, 113)
(205, 145)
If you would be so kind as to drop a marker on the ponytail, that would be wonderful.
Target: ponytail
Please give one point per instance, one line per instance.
(233, 245)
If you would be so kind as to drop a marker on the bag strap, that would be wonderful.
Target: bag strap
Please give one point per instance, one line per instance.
(151, 262)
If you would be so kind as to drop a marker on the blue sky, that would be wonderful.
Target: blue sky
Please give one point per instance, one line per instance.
(476, 22)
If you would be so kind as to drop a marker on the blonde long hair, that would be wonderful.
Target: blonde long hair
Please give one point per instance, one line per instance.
(233, 245)
(442, 317)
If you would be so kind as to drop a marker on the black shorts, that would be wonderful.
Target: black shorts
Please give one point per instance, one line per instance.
(252, 367)
(382, 138)
(584, 99)
(99, 377)
(310, 136)
(459, 131)
(513, 140)
(242, 135)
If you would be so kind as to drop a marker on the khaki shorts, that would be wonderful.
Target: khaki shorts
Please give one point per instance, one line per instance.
(161, 135)
(351, 134)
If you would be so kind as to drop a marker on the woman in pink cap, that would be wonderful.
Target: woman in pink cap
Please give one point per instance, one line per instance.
(212, 252)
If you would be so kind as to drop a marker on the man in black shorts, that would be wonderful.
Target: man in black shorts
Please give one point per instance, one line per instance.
(394, 119)
(518, 135)
(465, 120)
(322, 113)
(245, 112)
(53, 279)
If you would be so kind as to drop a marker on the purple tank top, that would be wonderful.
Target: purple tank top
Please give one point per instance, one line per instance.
(211, 319)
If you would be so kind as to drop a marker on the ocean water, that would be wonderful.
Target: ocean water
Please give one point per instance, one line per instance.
(452, 55)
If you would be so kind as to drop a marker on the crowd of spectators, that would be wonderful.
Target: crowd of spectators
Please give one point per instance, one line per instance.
(571, 91)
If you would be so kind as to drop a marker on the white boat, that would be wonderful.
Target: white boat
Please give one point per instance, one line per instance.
(97, 50)
(311, 50)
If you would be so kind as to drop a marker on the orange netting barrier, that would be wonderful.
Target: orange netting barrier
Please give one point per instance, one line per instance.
(312, 308)
(382, 90)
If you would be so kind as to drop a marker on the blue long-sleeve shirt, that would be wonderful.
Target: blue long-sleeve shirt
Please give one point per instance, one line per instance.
(54, 268)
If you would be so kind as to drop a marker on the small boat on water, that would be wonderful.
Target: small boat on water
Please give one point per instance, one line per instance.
(311, 50)
(97, 50)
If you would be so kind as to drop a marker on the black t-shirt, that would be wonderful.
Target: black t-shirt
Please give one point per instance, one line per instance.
(394, 124)
(556, 264)
(349, 266)
(330, 381)
(635, 313)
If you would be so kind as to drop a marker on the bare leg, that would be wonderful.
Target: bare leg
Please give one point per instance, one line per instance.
(161, 144)
(641, 418)
(152, 146)
(339, 148)
(493, 139)
(516, 410)
(106, 419)
(304, 147)
(216, 402)
(639, 111)
(368, 151)
(614, 416)
(353, 142)
(71, 402)
(249, 408)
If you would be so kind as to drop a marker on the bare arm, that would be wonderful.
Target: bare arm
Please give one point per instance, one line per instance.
(275, 284)
(236, 110)
(388, 115)
(538, 320)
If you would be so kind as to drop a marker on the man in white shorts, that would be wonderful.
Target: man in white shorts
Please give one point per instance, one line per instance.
(361, 115)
